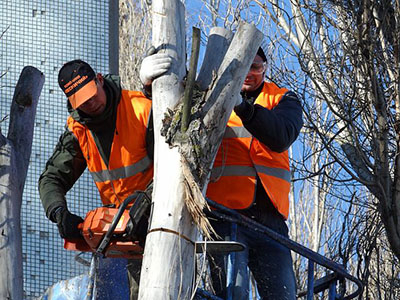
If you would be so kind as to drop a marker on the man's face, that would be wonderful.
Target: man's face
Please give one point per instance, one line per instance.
(95, 105)
(255, 76)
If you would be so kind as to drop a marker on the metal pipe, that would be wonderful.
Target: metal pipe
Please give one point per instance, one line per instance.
(292, 245)
(310, 280)
(231, 266)
(332, 291)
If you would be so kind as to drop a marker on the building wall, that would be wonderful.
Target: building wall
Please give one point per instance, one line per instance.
(45, 34)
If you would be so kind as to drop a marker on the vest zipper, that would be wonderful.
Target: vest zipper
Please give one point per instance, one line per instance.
(109, 171)
(88, 144)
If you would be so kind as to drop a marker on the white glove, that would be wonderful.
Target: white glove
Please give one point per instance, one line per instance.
(154, 66)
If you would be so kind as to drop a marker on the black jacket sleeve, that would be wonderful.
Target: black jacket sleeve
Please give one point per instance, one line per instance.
(277, 128)
(62, 170)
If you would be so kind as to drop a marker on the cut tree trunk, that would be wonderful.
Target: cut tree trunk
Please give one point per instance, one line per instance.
(15, 151)
(168, 263)
(218, 43)
(167, 256)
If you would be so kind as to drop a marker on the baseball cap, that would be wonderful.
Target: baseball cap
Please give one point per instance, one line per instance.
(77, 80)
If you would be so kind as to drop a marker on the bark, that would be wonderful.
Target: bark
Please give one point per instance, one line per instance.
(218, 42)
(212, 107)
(168, 264)
(221, 96)
(15, 152)
(168, 256)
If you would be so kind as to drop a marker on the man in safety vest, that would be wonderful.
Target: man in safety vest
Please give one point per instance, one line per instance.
(251, 174)
(105, 132)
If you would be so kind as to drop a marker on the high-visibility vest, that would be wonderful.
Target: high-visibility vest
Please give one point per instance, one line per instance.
(241, 157)
(129, 167)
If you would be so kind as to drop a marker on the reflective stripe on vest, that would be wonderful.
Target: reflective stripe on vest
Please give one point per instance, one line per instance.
(129, 168)
(236, 132)
(217, 172)
(123, 172)
(275, 172)
(241, 158)
(250, 171)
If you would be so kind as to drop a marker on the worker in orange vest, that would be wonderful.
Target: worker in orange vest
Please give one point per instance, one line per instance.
(251, 174)
(106, 133)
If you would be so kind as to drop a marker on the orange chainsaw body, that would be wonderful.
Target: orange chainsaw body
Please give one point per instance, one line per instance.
(95, 226)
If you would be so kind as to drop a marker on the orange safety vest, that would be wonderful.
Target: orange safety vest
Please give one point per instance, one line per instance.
(129, 167)
(241, 157)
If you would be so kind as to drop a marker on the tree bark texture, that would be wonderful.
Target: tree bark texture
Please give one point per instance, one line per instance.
(168, 264)
(218, 43)
(221, 95)
(168, 257)
(15, 152)
(212, 109)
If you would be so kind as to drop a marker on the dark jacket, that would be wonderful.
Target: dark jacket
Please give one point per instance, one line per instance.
(67, 163)
(277, 128)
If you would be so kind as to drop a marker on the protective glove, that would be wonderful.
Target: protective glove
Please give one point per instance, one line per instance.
(67, 223)
(244, 110)
(153, 66)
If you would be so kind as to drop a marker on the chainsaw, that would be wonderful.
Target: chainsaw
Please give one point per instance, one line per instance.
(115, 232)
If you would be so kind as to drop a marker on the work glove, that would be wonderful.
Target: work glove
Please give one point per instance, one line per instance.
(244, 109)
(67, 224)
(153, 66)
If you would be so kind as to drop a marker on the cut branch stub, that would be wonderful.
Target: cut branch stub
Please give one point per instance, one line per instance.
(187, 97)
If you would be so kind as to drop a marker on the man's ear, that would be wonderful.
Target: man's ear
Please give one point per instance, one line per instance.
(100, 78)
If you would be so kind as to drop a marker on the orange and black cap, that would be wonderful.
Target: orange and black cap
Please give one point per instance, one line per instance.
(77, 80)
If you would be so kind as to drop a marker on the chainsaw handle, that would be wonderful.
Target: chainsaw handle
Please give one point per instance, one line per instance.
(77, 244)
(107, 237)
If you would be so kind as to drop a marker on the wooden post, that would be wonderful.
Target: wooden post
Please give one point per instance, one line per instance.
(15, 151)
(168, 263)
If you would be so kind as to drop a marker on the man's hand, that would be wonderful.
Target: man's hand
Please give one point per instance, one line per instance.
(67, 224)
(153, 66)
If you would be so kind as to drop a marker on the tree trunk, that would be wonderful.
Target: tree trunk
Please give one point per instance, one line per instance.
(15, 152)
(218, 43)
(167, 256)
(168, 263)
